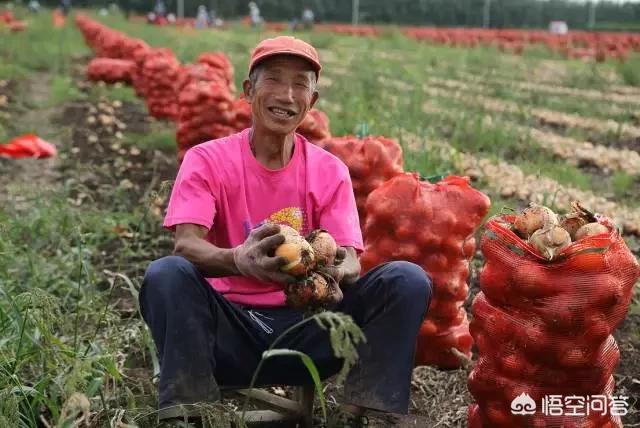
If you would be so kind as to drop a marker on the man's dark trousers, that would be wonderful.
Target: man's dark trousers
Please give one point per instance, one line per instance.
(204, 341)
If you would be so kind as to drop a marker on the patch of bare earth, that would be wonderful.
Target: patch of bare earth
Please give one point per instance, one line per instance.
(28, 178)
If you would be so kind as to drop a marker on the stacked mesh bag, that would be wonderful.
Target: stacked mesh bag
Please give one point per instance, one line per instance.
(543, 328)
(371, 161)
(431, 225)
(205, 101)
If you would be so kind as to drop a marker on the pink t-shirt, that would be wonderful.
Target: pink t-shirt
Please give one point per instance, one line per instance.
(222, 187)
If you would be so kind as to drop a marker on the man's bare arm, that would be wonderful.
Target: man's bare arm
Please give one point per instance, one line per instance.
(250, 259)
(212, 261)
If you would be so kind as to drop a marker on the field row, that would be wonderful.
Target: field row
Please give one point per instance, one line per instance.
(456, 90)
(509, 181)
(482, 82)
(574, 152)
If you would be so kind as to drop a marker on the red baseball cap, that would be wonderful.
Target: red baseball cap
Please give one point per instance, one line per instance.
(285, 45)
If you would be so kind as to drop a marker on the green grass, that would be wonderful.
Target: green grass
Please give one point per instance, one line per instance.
(116, 92)
(622, 183)
(63, 90)
(161, 139)
(630, 71)
(53, 315)
(40, 47)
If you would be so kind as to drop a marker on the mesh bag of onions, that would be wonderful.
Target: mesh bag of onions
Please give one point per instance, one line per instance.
(552, 292)
(431, 225)
(160, 71)
(371, 162)
(315, 126)
(204, 114)
(205, 101)
(110, 70)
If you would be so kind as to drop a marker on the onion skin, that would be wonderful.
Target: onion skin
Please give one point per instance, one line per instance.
(312, 292)
(534, 218)
(297, 251)
(324, 247)
(591, 229)
(550, 241)
(572, 223)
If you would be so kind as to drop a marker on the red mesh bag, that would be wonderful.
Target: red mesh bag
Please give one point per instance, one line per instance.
(160, 71)
(315, 126)
(6, 17)
(58, 19)
(242, 114)
(110, 70)
(205, 113)
(431, 225)
(196, 73)
(139, 55)
(27, 146)
(17, 26)
(544, 327)
(371, 162)
(221, 64)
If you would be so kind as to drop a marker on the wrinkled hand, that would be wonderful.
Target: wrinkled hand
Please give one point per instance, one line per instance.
(252, 257)
(337, 273)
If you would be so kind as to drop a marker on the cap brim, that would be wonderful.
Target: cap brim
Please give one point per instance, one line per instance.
(315, 64)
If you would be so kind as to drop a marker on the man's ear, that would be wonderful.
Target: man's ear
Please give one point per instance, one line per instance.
(314, 98)
(247, 89)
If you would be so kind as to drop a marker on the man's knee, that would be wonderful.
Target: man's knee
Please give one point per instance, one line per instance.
(409, 281)
(168, 274)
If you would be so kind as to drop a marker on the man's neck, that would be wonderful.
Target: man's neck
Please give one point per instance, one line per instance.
(271, 150)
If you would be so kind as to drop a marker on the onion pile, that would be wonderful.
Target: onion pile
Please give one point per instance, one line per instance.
(549, 234)
(307, 256)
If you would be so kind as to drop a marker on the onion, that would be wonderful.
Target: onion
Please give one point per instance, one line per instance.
(572, 222)
(550, 241)
(534, 218)
(297, 251)
(324, 247)
(591, 229)
(312, 292)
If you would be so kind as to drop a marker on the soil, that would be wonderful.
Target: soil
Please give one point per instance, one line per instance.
(605, 139)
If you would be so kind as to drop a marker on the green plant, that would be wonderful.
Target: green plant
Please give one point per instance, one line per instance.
(622, 183)
(630, 71)
(344, 335)
(63, 90)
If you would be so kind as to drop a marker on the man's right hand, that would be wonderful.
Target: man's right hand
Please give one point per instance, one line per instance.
(252, 257)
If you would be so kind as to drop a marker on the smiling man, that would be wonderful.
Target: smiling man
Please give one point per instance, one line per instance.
(218, 302)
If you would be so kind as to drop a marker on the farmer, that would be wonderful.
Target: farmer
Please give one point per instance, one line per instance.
(218, 302)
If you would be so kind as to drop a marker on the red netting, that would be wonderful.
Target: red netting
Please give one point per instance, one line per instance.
(205, 114)
(544, 328)
(315, 126)
(110, 70)
(160, 72)
(430, 225)
(371, 161)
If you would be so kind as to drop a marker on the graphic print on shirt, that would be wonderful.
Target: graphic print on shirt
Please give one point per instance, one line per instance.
(290, 216)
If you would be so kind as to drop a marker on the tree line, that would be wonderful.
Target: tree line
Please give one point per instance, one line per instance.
(464, 13)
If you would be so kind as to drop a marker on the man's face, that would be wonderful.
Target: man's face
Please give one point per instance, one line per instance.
(282, 94)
